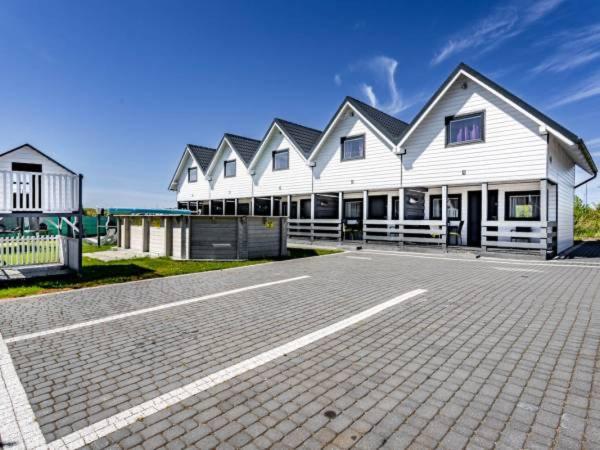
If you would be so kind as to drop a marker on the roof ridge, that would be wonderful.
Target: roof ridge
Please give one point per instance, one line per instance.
(242, 137)
(297, 124)
(201, 146)
(349, 97)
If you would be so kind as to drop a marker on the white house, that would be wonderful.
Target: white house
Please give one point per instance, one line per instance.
(504, 171)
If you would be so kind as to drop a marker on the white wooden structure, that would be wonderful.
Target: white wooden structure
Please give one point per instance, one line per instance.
(34, 185)
(504, 171)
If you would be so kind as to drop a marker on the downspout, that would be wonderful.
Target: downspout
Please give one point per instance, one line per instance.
(587, 181)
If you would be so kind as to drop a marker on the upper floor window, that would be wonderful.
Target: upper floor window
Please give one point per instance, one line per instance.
(522, 205)
(281, 160)
(353, 148)
(230, 168)
(464, 129)
(192, 174)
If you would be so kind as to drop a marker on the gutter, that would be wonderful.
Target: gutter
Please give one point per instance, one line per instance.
(590, 161)
(586, 181)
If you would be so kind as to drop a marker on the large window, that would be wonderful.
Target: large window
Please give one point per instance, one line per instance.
(464, 129)
(230, 168)
(353, 148)
(454, 207)
(523, 205)
(192, 175)
(353, 209)
(281, 160)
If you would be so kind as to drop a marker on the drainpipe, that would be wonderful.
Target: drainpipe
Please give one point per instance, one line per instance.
(587, 181)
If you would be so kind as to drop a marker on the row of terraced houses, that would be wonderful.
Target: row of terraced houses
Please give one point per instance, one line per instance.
(476, 167)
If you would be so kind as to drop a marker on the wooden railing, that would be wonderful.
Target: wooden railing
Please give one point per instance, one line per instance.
(318, 228)
(39, 192)
(520, 235)
(406, 231)
(28, 250)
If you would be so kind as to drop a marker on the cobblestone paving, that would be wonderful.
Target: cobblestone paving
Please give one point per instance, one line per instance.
(487, 357)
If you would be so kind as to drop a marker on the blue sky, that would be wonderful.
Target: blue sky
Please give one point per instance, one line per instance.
(116, 89)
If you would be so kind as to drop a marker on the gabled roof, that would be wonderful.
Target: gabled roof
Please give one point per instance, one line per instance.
(388, 126)
(40, 152)
(392, 127)
(202, 155)
(584, 159)
(243, 146)
(304, 138)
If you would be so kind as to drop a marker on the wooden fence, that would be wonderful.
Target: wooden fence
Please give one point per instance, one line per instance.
(29, 250)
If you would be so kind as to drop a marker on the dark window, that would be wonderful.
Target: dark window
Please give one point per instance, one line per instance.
(454, 207)
(281, 160)
(262, 207)
(182, 205)
(464, 129)
(193, 206)
(378, 207)
(294, 210)
(216, 207)
(192, 175)
(284, 208)
(353, 148)
(243, 209)
(230, 168)
(305, 209)
(26, 167)
(522, 205)
(492, 205)
(353, 209)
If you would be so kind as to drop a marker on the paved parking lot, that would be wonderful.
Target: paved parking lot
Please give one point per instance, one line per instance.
(361, 349)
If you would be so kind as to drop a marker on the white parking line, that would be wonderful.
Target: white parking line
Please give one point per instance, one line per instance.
(359, 257)
(18, 427)
(128, 417)
(149, 310)
(517, 269)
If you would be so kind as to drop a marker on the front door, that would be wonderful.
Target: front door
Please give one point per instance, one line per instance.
(474, 219)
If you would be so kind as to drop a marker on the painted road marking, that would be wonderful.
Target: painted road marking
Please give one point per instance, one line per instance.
(149, 310)
(18, 427)
(105, 427)
(359, 257)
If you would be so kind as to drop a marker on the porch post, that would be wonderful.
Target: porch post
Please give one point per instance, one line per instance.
(168, 222)
(223, 203)
(444, 216)
(289, 206)
(401, 216)
(271, 206)
(126, 232)
(312, 216)
(235, 206)
(544, 216)
(145, 234)
(484, 215)
(365, 213)
(389, 215)
(252, 206)
(340, 215)
(210, 207)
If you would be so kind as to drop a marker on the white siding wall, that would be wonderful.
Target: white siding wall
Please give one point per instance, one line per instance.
(238, 186)
(295, 180)
(562, 171)
(513, 149)
(137, 237)
(191, 191)
(30, 156)
(156, 245)
(378, 170)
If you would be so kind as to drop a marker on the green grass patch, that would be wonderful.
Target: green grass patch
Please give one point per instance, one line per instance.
(97, 273)
(92, 248)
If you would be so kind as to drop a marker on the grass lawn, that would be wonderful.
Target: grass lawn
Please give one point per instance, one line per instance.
(96, 273)
(92, 248)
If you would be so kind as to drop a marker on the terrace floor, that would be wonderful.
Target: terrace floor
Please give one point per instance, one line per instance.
(364, 349)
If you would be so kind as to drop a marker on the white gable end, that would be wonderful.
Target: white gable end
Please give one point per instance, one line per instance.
(187, 191)
(295, 180)
(513, 148)
(379, 169)
(29, 155)
(229, 187)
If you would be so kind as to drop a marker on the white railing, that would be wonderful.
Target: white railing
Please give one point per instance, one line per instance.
(39, 192)
(318, 228)
(28, 250)
(405, 231)
(519, 235)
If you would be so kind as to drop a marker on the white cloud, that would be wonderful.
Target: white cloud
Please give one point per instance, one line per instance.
(572, 48)
(594, 143)
(590, 87)
(385, 67)
(502, 24)
(337, 79)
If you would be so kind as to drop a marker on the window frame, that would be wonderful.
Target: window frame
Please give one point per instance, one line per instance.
(277, 152)
(351, 138)
(189, 177)
(449, 119)
(229, 161)
(507, 215)
(453, 196)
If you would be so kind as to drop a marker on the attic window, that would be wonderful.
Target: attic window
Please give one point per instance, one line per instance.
(230, 168)
(281, 160)
(192, 174)
(353, 147)
(465, 129)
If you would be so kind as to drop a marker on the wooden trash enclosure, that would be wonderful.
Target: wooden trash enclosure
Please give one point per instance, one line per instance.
(205, 237)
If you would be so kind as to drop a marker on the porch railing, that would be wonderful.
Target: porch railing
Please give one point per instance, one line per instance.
(29, 250)
(521, 235)
(406, 231)
(38, 192)
(318, 228)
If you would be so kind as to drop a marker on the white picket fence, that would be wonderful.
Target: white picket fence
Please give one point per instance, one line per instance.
(29, 250)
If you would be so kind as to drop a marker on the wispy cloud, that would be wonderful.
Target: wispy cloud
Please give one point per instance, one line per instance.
(385, 67)
(594, 143)
(573, 48)
(337, 79)
(590, 87)
(498, 26)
